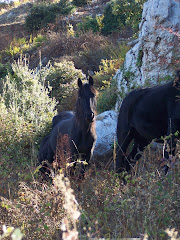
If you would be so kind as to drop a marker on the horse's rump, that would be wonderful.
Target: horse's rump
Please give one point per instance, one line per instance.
(147, 114)
(126, 110)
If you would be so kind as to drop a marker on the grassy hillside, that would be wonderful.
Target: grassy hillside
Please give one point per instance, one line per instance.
(39, 67)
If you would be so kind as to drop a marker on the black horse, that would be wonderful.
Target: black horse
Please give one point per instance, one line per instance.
(145, 115)
(73, 132)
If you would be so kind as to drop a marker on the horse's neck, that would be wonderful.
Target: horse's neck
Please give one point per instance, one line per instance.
(85, 128)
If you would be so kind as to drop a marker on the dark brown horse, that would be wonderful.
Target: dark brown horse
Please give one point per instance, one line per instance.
(77, 126)
(145, 115)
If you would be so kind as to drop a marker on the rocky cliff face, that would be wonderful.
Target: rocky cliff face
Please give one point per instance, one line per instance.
(154, 56)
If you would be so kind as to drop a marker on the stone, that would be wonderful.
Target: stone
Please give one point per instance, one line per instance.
(154, 56)
(106, 124)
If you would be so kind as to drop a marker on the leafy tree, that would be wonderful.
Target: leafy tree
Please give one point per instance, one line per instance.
(41, 15)
(122, 13)
(89, 23)
(110, 21)
(79, 3)
(128, 12)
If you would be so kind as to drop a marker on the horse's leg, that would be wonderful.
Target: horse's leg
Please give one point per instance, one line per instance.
(123, 143)
(136, 153)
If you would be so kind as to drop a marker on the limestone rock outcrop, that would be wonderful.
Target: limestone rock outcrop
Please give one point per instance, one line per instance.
(154, 56)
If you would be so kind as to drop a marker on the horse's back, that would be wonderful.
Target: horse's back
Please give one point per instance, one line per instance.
(145, 109)
(62, 116)
(62, 125)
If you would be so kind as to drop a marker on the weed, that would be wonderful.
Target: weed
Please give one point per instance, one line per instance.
(139, 58)
(43, 210)
(22, 46)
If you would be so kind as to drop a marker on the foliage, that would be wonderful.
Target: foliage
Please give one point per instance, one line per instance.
(3, 71)
(105, 82)
(107, 98)
(43, 210)
(110, 21)
(147, 204)
(107, 85)
(38, 40)
(26, 109)
(63, 80)
(22, 46)
(79, 3)
(139, 58)
(120, 14)
(128, 12)
(88, 24)
(41, 15)
(107, 69)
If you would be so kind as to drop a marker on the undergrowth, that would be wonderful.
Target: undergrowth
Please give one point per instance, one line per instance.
(103, 207)
(100, 205)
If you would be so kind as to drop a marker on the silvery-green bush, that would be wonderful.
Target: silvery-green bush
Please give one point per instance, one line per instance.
(26, 109)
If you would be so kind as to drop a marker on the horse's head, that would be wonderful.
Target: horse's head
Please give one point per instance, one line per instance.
(86, 103)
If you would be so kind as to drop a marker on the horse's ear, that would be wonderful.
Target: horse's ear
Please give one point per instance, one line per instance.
(91, 81)
(79, 82)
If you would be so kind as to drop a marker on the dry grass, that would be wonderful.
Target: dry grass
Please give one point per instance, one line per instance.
(147, 204)
(80, 49)
(43, 211)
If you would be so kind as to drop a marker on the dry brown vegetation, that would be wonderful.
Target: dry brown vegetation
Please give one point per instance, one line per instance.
(100, 205)
(147, 204)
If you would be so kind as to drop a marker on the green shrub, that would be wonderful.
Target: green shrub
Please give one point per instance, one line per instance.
(21, 46)
(26, 109)
(110, 21)
(120, 14)
(107, 98)
(79, 3)
(41, 15)
(39, 40)
(88, 24)
(3, 70)
(63, 80)
(128, 12)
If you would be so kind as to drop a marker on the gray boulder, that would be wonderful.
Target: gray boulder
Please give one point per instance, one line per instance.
(106, 124)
